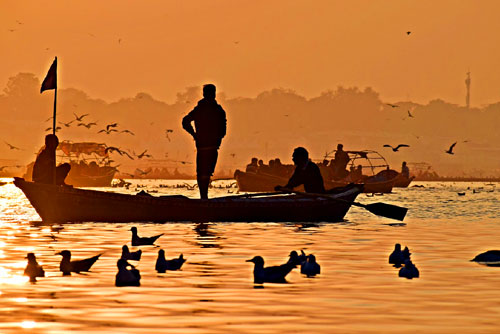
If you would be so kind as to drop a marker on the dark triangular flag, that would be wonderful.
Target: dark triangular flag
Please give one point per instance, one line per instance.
(50, 81)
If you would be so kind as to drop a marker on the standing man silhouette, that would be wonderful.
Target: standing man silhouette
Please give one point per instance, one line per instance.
(210, 124)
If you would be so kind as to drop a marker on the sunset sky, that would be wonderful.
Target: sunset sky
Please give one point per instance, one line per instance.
(114, 49)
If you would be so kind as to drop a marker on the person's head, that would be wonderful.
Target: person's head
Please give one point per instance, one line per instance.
(360, 167)
(340, 147)
(51, 141)
(404, 163)
(277, 161)
(271, 163)
(261, 162)
(209, 91)
(254, 161)
(300, 156)
(325, 162)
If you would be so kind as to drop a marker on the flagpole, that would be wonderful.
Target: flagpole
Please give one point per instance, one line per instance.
(55, 103)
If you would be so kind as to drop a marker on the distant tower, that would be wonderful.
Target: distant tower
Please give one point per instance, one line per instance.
(467, 85)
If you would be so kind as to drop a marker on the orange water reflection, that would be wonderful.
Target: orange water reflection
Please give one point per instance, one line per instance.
(357, 291)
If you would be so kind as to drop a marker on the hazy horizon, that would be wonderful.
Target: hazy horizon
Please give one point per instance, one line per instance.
(117, 48)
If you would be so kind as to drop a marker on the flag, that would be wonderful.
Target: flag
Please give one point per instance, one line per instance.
(50, 81)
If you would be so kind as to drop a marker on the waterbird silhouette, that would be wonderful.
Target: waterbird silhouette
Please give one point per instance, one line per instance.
(163, 265)
(408, 32)
(392, 105)
(296, 259)
(142, 172)
(398, 257)
(409, 270)
(33, 269)
(67, 266)
(48, 119)
(489, 256)
(80, 118)
(310, 267)
(12, 147)
(274, 274)
(128, 255)
(409, 114)
(141, 241)
(450, 150)
(125, 276)
(395, 149)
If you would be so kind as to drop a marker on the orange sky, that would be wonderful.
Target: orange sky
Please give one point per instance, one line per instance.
(309, 46)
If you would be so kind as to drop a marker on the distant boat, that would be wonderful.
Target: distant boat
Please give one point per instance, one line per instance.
(382, 180)
(67, 204)
(97, 173)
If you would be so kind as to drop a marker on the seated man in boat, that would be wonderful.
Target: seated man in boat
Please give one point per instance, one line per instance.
(306, 173)
(405, 171)
(45, 163)
(210, 123)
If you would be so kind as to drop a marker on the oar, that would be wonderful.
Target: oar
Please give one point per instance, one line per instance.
(379, 209)
(254, 195)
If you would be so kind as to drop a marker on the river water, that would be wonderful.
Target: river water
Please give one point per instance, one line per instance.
(357, 291)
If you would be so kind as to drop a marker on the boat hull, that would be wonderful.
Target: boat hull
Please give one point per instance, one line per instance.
(66, 204)
(403, 182)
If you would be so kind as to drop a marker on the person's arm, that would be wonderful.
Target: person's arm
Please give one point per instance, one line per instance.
(186, 123)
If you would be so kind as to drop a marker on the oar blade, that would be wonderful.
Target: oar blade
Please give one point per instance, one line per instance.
(387, 210)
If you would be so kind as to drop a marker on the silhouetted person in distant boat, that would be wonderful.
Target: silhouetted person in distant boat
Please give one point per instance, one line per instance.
(341, 160)
(210, 124)
(405, 171)
(306, 173)
(252, 166)
(45, 163)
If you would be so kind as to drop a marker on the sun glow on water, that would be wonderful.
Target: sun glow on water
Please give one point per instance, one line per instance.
(28, 324)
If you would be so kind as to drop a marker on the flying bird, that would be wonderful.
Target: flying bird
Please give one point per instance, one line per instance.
(167, 132)
(66, 124)
(127, 131)
(48, 119)
(107, 131)
(450, 150)
(392, 105)
(141, 172)
(143, 154)
(80, 118)
(88, 126)
(12, 147)
(57, 129)
(409, 114)
(111, 149)
(395, 149)
(3, 167)
(408, 32)
(112, 125)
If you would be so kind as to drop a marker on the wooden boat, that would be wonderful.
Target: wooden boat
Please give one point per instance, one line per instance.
(402, 182)
(249, 181)
(67, 204)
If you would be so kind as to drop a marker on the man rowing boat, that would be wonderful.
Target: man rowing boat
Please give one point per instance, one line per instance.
(306, 173)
